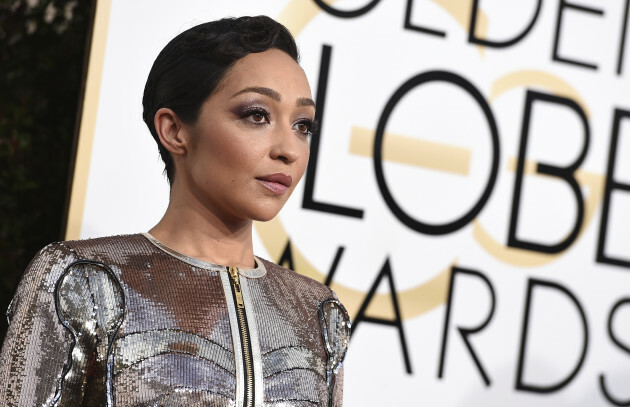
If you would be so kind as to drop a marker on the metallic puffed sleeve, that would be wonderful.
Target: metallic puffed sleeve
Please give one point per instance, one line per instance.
(62, 322)
(335, 324)
(90, 305)
(36, 344)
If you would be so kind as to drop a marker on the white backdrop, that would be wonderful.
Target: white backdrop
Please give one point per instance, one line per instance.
(452, 118)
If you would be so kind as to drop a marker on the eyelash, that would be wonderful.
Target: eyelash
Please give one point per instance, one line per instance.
(248, 113)
(311, 124)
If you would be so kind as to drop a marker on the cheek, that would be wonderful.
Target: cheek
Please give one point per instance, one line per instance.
(243, 150)
(231, 153)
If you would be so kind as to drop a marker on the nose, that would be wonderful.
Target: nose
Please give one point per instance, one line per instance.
(286, 146)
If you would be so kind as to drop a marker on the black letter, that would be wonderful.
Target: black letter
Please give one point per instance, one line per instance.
(602, 384)
(286, 258)
(497, 44)
(397, 322)
(519, 373)
(378, 153)
(346, 14)
(464, 332)
(333, 267)
(556, 42)
(610, 185)
(622, 40)
(408, 24)
(565, 173)
(309, 182)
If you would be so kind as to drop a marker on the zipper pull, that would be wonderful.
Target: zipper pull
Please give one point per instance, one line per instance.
(237, 286)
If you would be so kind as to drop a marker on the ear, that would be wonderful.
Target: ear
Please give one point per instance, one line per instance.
(170, 130)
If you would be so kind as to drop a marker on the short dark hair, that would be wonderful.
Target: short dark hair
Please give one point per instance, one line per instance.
(191, 65)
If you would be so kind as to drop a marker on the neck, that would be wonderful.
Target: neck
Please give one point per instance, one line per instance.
(190, 228)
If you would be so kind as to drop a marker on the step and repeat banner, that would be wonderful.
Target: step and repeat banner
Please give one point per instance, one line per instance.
(468, 196)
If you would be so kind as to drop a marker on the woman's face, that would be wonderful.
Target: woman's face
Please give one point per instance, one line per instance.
(249, 147)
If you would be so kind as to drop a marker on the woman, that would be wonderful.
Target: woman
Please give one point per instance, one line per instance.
(185, 314)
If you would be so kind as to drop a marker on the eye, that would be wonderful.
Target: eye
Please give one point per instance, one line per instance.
(256, 116)
(303, 127)
(306, 126)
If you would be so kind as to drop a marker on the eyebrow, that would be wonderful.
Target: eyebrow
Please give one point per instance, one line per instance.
(273, 94)
(304, 102)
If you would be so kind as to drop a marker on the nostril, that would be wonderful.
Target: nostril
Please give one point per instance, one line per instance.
(285, 158)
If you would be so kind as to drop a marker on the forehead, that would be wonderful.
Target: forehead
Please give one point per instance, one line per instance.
(273, 69)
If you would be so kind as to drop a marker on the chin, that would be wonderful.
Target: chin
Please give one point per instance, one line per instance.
(266, 218)
(266, 214)
(266, 211)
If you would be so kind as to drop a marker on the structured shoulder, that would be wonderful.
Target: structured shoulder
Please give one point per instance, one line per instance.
(52, 261)
(41, 275)
(298, 280)
(51, 254)
(104, 248)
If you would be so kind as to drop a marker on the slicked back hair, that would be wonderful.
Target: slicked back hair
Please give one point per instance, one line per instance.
(191, 66)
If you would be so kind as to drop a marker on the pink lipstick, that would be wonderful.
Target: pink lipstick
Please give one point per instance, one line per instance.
(277, 183)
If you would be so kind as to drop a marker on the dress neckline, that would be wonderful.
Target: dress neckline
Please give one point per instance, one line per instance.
(257, 272)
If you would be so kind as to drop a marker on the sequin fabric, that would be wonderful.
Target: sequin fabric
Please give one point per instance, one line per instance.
(336, 330)
(125, 321)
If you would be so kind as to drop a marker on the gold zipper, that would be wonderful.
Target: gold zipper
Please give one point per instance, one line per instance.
(246, 346)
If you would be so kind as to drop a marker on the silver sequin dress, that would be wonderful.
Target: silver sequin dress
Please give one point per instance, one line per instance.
(126, 321)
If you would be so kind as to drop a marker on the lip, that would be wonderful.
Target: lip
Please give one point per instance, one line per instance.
(277, 183)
